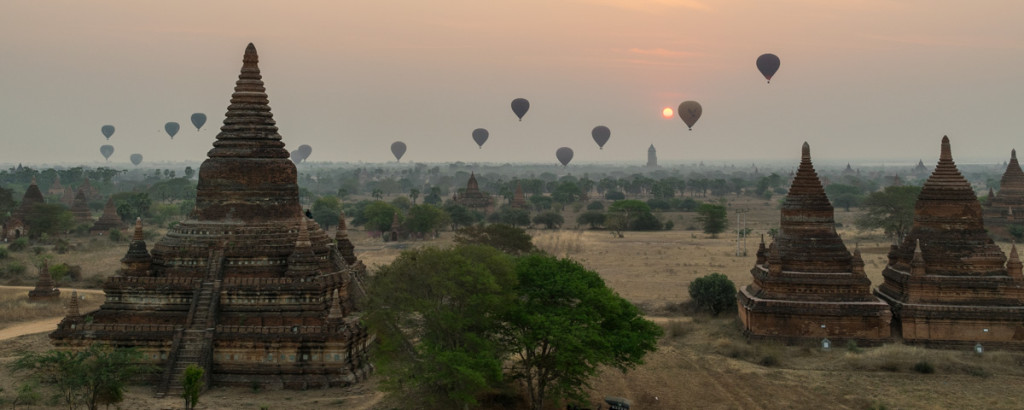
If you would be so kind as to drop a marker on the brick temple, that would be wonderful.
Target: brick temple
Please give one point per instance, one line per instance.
(948, 283)
(1006, 207)
(472, 197)
(807, 284)
(247, 287)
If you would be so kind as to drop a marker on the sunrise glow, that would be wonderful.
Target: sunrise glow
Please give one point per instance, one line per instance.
(667, 113)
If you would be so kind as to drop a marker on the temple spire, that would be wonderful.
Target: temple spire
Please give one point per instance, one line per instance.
(73, 311)
(1014, 267)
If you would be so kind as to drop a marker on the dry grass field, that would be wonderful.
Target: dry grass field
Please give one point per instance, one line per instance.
(702, 362)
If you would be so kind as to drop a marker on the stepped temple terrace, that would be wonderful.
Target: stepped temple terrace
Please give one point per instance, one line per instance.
(948, 283)
(247, 287)
(807, 284)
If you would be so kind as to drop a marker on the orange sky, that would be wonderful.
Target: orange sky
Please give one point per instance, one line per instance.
(869, 81)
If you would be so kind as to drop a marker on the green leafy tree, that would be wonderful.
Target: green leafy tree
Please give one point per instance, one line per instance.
(326, 210)
(541, 202)
(565, 325)
(566, 192)
(377, 216)
(50, 219)
(192, 385)
(714, 293)
(504, 237)
(132, 205)
(97, 375)
(592, 218)
(460, 216)
(550, 219)
(713, 218)
(425, 218)
(891, 210)
(510, 216)
(844, 196)
(436, 314)
(413, 194)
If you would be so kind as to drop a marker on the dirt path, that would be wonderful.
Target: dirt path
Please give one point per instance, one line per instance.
(28, 328)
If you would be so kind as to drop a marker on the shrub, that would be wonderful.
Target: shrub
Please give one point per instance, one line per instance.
(595, 206)
(714, 293)
(924, 367)
(115, 235)
(16, 269)
(4, 253)
(614, 195)
(852, 347)
(59, 271)
(669, 225)
(769, 361)
(18, 245)
(1017, 231)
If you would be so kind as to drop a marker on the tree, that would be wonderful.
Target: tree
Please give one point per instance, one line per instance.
(192, 385)
(425, 218)
(326, 210)
(460, 216)
(504, 237)
(414, 193)
(510, 216)
(550, 219)
(436, 314)
(565, 324)
(844, 196)
(592, 218)
(713, 218)
(51, 219)
(132, 205)
(377, 216)
(97, 375)
(714, 293)
(891, 210)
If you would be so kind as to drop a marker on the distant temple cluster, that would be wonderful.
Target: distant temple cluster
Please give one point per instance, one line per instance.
(77, 200)
(946, 285)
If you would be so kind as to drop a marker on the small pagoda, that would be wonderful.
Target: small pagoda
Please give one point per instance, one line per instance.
(518, 198)
(46, 288)
(247, 287)
(17, 225)
(1006, 207)
(948, 283)
(109, 220)
(473, 197)
(807, 284)
(80, 208)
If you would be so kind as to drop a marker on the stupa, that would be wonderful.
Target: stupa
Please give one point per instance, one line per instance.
(80, 208)
(56, 188)
(807, 284)
(246, 287)
(46, 288)
(519, 199)
(473, 197)
(948, 283)
(109, 220)
(17, 225)
(1006, 207)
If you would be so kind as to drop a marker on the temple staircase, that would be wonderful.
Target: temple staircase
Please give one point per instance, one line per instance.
(193, 343)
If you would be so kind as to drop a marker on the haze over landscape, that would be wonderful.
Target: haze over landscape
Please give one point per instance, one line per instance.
(875, 81)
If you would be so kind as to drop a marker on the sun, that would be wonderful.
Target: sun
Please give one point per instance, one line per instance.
(667, 113)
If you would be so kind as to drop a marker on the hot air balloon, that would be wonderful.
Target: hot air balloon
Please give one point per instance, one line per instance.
(107, 130)
(564, 155)
(296, 156)
(768, 64)
(689, 112)
(480, 136)
(107, 151)
(398, 148)
(136, 159)
(304, 151)
(520, 106)
(601, 135)
(198, 119)
(172, 128)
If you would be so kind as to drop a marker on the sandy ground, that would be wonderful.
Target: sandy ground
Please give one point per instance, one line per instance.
(695, 370)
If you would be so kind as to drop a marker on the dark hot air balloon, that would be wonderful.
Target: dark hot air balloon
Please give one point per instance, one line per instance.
(107, 151)
(689, 112)
(601, 135)
(198, 119)
(107, 130)
(296, 156)
(172, 128)
(136, 159)
(564, 155)
(480, 136)
(768, 64)
(520, 106)
(398, 149)
(305, 150)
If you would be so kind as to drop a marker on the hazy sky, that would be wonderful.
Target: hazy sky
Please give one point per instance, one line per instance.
(862, 81)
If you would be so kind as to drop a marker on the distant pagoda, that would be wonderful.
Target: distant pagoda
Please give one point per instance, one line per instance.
(518, 198)
(247, 288)
(948, 283)
(109, 220)
(652, 157)
(807, 284)
(80, 208)
(472, 197)
(1006, 207)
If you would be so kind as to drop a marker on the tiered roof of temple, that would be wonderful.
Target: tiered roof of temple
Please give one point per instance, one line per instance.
(1006, 207)
(247, 287)
(807, 284)
(80, 208)
(948, 282)
(518, 199)
(56, 188)
(473, 197)
(109, 220)
(46, 288)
